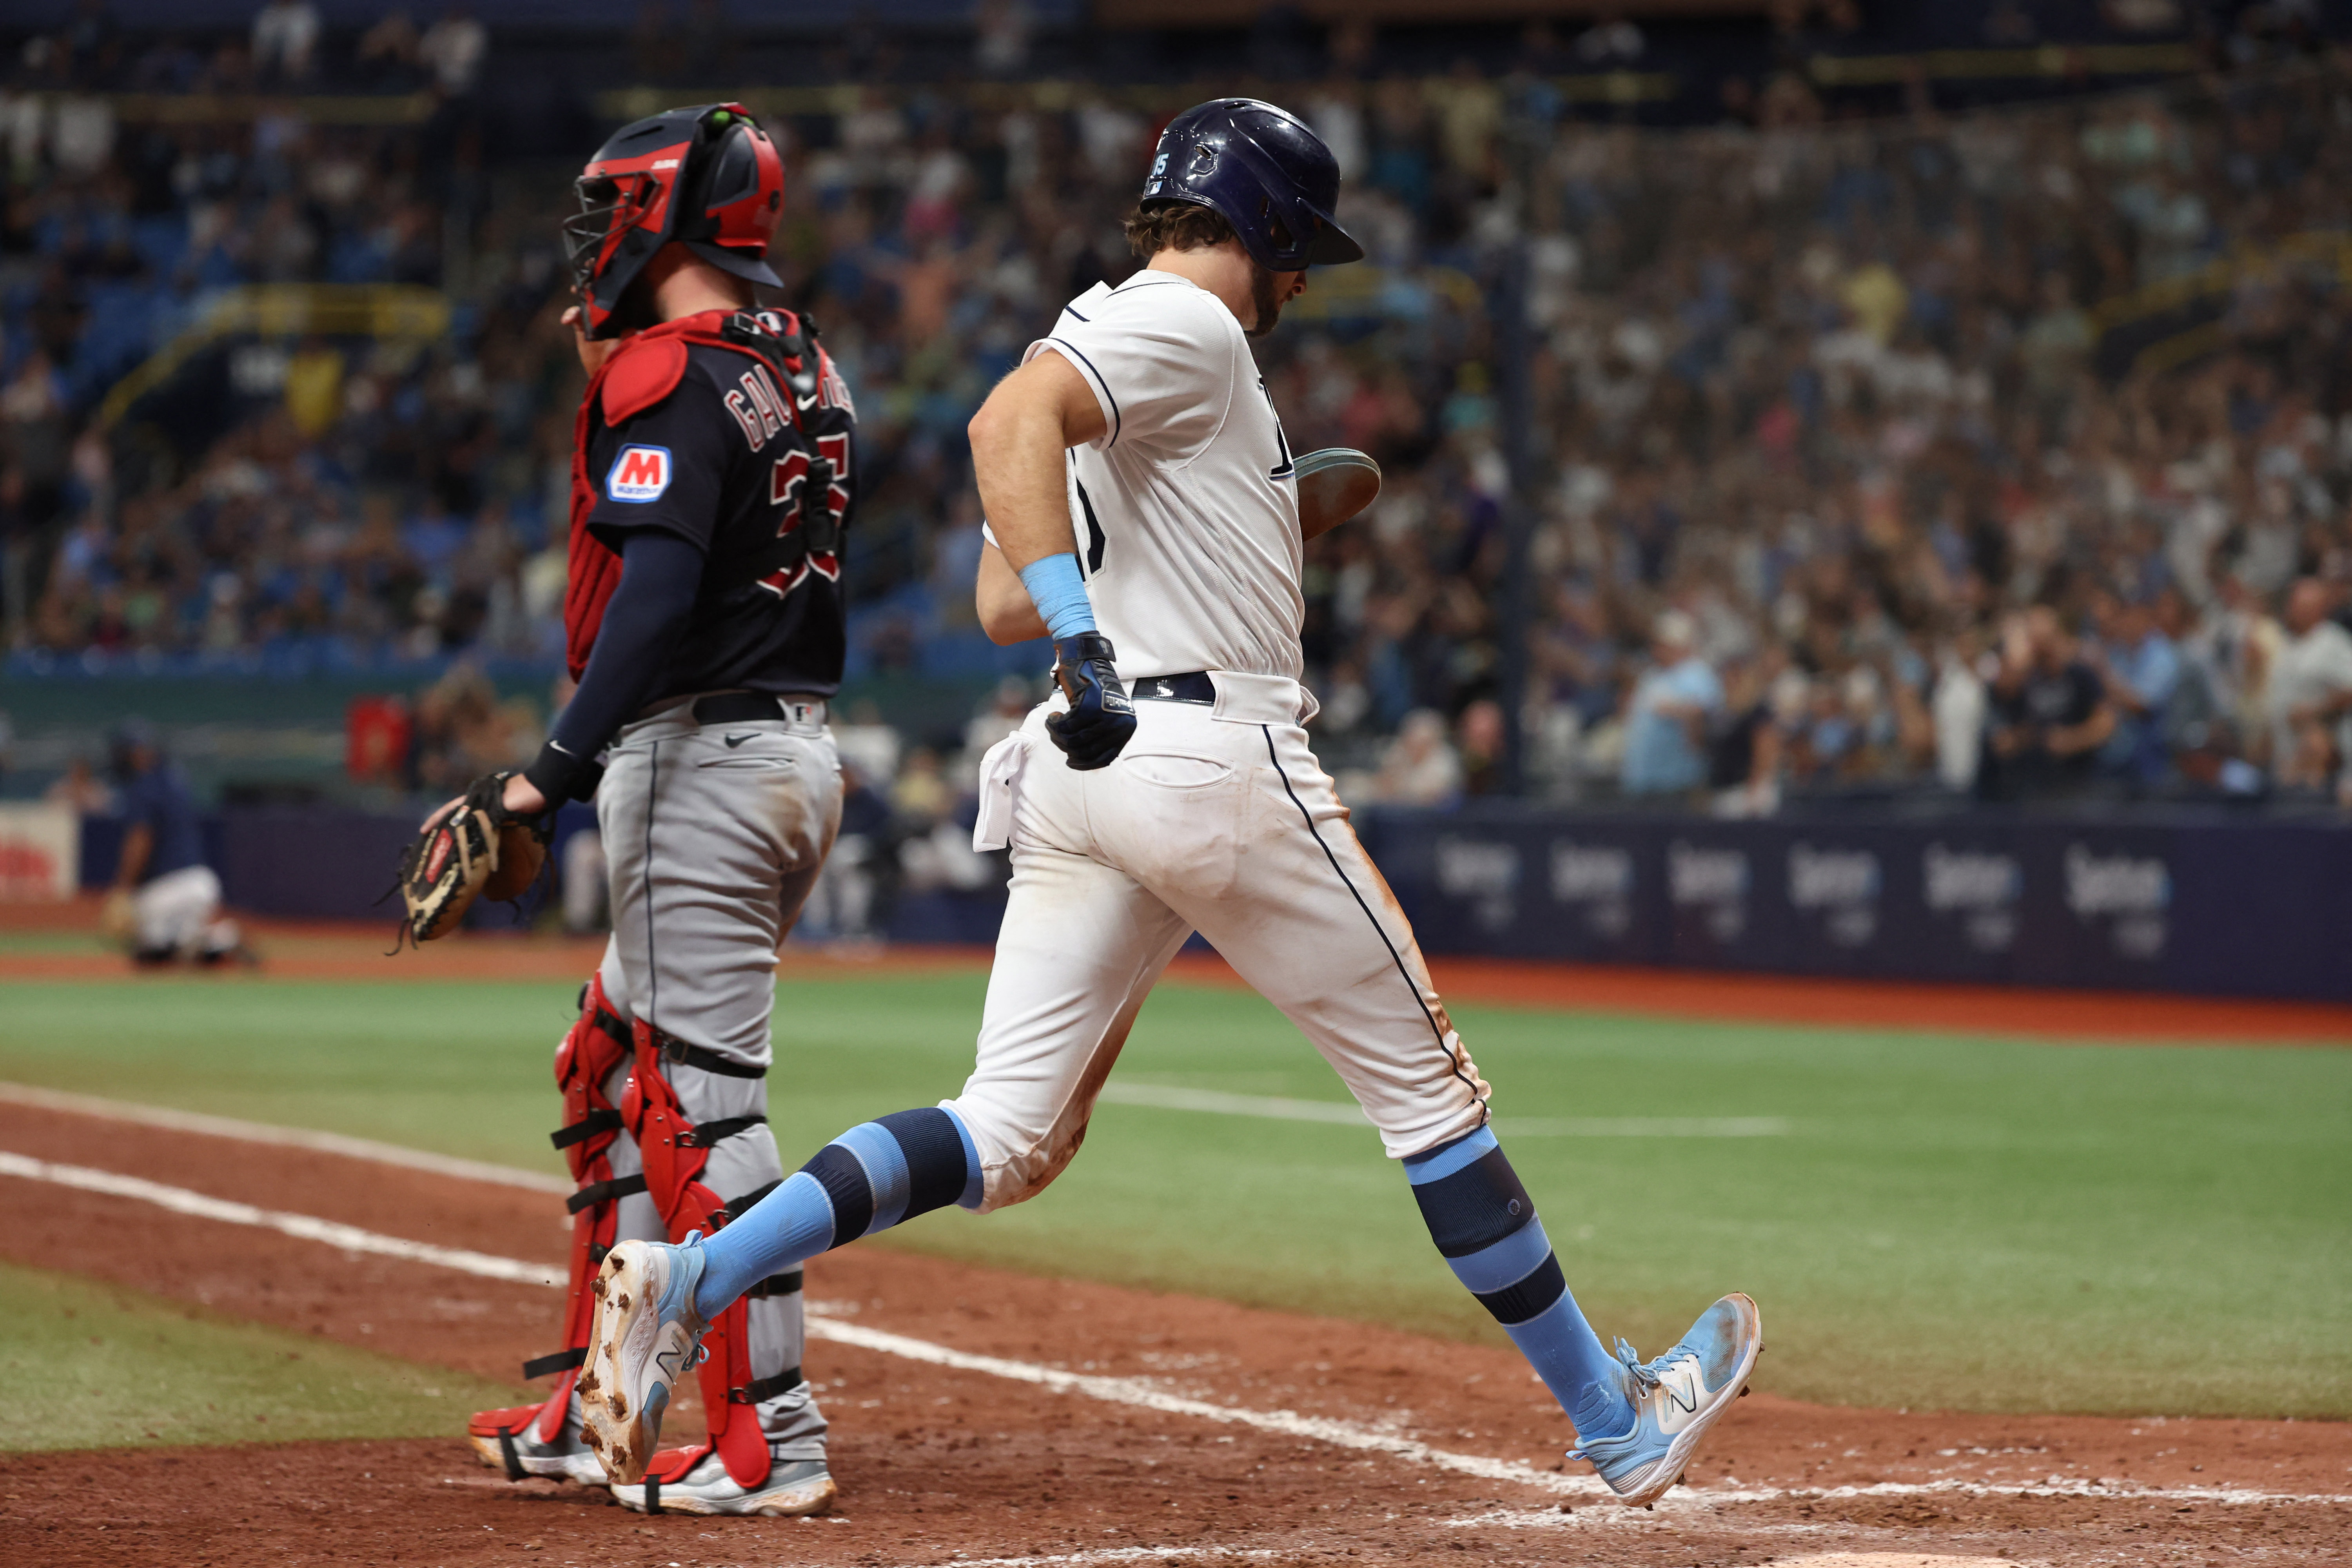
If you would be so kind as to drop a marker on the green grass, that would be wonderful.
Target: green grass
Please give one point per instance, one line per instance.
(1955, 1222)
(16, 943)
(92, 1365)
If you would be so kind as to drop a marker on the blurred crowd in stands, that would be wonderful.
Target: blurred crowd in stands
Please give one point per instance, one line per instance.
(2006, 453)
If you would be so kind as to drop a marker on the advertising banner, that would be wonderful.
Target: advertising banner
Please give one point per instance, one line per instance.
(1727, 905)
(2098, 908)
(2257, 907)
(2213, 905)
(1959, 910)
(41, 853)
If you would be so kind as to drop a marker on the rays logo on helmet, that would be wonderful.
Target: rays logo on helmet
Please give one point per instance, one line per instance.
(639, 474)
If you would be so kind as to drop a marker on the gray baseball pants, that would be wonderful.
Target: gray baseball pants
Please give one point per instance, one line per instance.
(714, 836)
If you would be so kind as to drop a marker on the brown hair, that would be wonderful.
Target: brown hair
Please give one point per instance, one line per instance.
(1174, 226)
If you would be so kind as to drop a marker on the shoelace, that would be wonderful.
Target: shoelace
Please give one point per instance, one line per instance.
(1649, 1374)
(1646, 1376)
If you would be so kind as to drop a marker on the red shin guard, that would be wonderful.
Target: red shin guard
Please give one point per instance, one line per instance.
(598, 1042)
(674, 1155)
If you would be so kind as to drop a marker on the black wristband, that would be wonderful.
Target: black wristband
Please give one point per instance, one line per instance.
(560, 776)
(1084, 647)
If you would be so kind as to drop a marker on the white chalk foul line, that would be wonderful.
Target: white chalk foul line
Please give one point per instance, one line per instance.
(1709, 1496)
(1166, 1097)
(1113, 1390)
(1114, 1555)
(1129, 1391)
(305, 1227)
(1139, 1392)
(288, 1137)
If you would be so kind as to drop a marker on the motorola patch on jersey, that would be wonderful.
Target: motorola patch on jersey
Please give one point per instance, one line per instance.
(639, 474)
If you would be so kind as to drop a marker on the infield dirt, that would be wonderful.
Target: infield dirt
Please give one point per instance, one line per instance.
(940, 1465)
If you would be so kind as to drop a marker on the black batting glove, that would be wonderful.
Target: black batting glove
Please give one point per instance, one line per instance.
(1101, 718)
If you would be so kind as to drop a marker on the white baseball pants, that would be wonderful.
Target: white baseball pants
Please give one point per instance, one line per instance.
(1216, 819)
(179, 912)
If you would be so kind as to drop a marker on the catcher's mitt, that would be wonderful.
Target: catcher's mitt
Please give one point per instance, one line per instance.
(479, 850)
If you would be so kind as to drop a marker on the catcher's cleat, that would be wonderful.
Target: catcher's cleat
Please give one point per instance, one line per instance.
(644, 1338)
(1675, 1399)
(509, 1440)
(695, 1480)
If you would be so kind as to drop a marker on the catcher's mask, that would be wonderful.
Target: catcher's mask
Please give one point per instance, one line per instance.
(707, 177)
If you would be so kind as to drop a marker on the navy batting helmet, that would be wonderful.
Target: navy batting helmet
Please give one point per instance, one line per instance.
(1264, 171)
(707, 177)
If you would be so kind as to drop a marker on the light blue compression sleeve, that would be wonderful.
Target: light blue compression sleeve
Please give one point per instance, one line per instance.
(1484, 1223)
(876, 1175)
(1060, 594)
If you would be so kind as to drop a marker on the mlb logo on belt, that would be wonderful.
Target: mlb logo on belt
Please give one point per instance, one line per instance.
(639, 474)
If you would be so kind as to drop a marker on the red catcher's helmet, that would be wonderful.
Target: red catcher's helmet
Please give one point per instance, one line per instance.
(707, 177)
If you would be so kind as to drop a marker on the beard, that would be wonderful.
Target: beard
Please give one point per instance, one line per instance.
(1263, 299)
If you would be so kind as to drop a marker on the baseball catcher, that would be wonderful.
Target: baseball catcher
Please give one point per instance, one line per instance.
(712, 477)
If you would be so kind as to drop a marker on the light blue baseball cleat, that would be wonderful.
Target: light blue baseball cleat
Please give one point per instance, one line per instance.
(1675, 1399)
(645, 1336)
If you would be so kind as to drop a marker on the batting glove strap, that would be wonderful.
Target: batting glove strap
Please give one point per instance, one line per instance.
(1101, 720)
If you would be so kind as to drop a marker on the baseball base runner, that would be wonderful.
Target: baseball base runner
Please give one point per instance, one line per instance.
(712, 481)
(1144, 513)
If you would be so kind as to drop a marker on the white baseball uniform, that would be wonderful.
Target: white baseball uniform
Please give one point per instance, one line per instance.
(1216, 816)
(179, 913)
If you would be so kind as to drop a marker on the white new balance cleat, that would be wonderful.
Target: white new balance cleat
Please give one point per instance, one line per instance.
(793, 1486)
(1675, 1399)
(509, 1440)
(645, 1336)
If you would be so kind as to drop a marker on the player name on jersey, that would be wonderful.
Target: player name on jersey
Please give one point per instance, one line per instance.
(758, 406)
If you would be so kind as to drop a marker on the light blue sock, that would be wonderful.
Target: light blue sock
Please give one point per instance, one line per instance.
(1566, 1353)
(1060, 594)
(788, 1227)
(1484, 1223)
(876, 1175)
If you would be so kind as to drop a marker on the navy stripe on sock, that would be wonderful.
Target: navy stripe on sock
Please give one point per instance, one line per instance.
(934, 1162)
(1530, 1297)
(836, 1170)
(1474, 1207)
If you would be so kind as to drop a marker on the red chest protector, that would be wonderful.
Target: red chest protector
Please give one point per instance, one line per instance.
(645, 369)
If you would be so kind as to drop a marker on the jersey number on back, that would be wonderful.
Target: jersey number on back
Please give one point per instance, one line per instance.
(817, 516)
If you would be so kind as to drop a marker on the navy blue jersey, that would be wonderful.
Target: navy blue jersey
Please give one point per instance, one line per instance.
(159, 801)
(720, 462)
